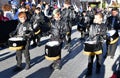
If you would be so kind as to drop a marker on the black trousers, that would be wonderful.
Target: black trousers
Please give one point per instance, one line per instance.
(68, 36)
(26, 55)
(82, 33)
(98, 62)
(36, 37)
(111, 49)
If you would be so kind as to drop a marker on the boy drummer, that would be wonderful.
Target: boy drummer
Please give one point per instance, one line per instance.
(23, 30)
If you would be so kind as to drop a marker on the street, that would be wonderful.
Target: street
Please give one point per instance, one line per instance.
(74, 64)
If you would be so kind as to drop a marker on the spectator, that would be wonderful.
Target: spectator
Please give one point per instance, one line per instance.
(7, 9)
(27, 2)
(2, 18)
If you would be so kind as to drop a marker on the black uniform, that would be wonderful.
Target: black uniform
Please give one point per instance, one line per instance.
(25, 31)
(83, 23)
(59, 29)
(91, 16)
(37, 21)
(97, 33)
(113, 23)
(69, 14)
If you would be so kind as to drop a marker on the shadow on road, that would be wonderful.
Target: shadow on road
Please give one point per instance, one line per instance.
(8, 73)
(6, 57)
(4, 54)
(77, 47)
(37, 60)
(42, 73)
(94, 75)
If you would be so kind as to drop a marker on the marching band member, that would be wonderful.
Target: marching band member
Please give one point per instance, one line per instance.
(113, 23)
(23, 30)
(58, 32)
(83, 23)
(69, 14)
(37, 21)
(90, 13)
(97, 32)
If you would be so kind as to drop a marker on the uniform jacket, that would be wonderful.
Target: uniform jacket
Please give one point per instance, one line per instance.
(83, 21)
(38, 18)
(23, 30)
(97, 32)
(59, 29)
(91, 16)
(110, 24)
(69, 14)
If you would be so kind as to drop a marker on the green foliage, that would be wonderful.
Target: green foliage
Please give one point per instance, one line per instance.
(103, 5)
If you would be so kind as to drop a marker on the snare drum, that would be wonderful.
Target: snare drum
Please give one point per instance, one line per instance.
(112, 36)
(52, 50)
(92, 48)
(80, 28)
(36, 29)
(16, 43)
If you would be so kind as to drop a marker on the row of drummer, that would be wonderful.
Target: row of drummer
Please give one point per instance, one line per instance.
(60, 30)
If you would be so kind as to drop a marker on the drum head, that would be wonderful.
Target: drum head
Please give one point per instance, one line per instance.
(90, 42)
(16, 39)
(53, 43)
(111, 32)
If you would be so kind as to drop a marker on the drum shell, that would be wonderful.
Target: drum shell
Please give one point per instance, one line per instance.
(112, 38)
(80, 28)
(37, 30)
(52, 51)
(17, 44)
(92, 47)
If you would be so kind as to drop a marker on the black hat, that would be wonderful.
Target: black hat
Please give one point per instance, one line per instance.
(115, 9)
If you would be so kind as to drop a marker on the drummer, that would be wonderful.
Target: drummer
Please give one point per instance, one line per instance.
(23, 30)
(97, 32)
(58, 32)
(113, 23)
(38, 19)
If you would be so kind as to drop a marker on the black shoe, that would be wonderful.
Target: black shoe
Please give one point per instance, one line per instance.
(27, 67)
(17, 68)
(38, 44)
(56, 66)
(34, 45)
(89, 73)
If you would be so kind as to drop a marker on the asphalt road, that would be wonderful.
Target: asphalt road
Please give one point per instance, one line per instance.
(74, 64)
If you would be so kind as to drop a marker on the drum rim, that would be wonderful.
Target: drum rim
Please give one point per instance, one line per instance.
(17, 39)
(90, 42)
(48, 43)
(111, 31)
